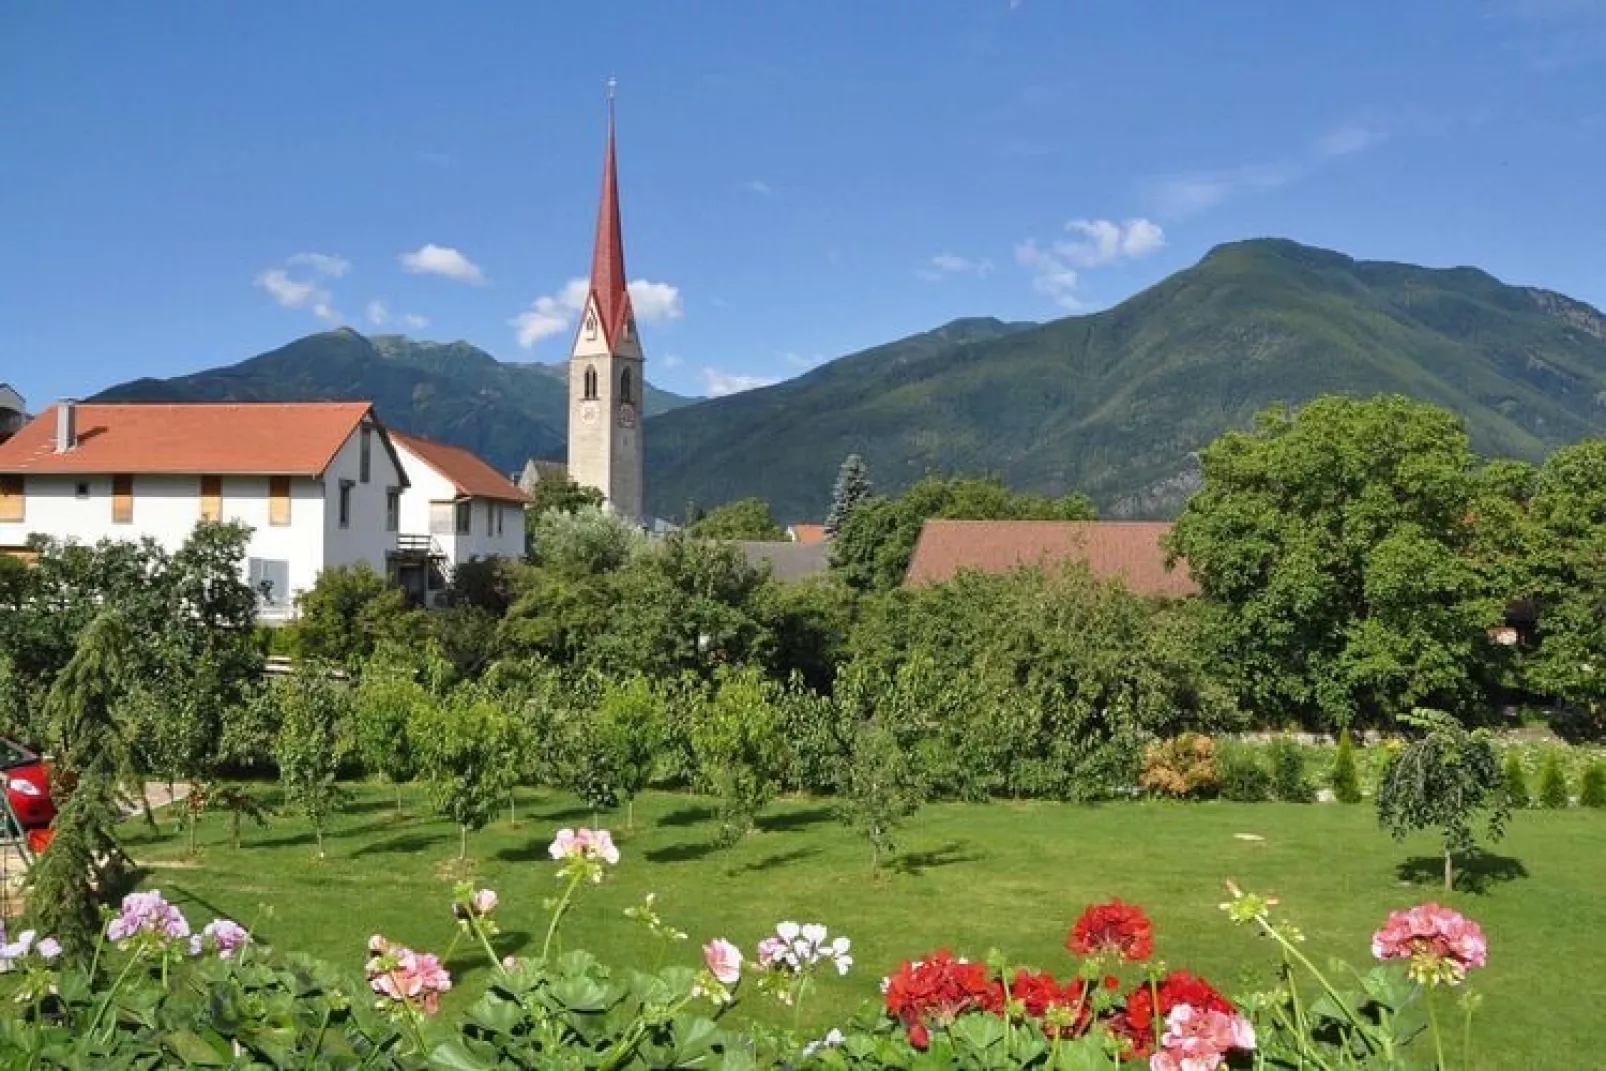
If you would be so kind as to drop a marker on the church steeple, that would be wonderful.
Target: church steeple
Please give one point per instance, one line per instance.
(606, 385)
(610, 291)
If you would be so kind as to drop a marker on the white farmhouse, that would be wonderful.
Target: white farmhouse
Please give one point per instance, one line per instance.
(319, 483)
(456, 508)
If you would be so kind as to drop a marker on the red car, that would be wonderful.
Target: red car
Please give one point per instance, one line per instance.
(27, 785)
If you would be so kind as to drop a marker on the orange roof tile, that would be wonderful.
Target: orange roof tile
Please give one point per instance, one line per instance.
(255, 438)
(469, 475)
(1125, 550)
(808, 533)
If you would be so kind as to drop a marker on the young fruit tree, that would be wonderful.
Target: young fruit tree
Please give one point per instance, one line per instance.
(311, 709)
(1443, 779)
(469, 750)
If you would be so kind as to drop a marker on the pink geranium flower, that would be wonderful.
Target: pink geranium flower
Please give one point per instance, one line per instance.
(1197, 1040)
(724, 960)
(484, 902)
(1442, 944)
(415, 979)
(584, 844)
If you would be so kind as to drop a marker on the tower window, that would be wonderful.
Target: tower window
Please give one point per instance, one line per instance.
(625, 389)
(591, 326)
(590, 383)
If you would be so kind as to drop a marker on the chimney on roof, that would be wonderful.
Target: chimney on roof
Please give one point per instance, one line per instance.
(66, 425)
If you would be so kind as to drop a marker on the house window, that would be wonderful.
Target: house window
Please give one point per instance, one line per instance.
(500, 515)
(365, 454)
(345, 503)
(81, 491)
(211, 498)
(465, 517)
(13, 503)
(123, 499)
(392, 510)
(270, 579)
(278, 500)
(625, 386)
(590, 383)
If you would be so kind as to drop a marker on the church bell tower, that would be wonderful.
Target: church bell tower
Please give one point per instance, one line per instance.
(605, 366)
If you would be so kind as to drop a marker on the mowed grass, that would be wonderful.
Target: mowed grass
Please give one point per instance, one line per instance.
(1010, 876)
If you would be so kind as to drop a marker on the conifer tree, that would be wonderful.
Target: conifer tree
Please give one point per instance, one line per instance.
(1592, 789)
(1553, 783)
(852, 488)
(1516, 779)
(1346, 783)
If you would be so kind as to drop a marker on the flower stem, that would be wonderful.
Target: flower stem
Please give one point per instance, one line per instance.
(558, 912)
(105, 1001)
(1433, 1021)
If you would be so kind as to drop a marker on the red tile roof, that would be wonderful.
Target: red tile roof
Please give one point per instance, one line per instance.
(470, 476)
(808, 533)
(252, 438)
(1127, 550)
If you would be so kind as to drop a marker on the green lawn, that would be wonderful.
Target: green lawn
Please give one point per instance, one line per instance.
(1004, 875)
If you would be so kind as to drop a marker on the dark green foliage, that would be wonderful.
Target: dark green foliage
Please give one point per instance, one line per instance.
(561, 494)
(1345, 780)
(1114, 403)
(1336, 540)
(1288, 780)
(1592, 788)
(851, 490)
(1514, 776)
(1443, 779)
(871, 551)
(740, 751)
(744, 519)
(1242, 774)
(348, 612)
(470, 751)
(1553, 793)
(453, 392)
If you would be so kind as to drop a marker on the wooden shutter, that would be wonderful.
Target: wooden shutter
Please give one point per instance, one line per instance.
(211, 498)
(123, 499)
(279, 500)
(13, 503)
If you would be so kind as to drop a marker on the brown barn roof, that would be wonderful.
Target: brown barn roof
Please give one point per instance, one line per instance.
(470, 476)
(1127, 550)
(249, 438)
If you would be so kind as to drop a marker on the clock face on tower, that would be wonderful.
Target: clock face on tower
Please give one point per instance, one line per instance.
(627, 415)
(588, 412)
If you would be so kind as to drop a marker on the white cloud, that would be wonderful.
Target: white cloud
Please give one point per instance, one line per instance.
(945, 264)
(1183, 195)
(672, 360)
(378, 313)
(1349, 139)
(552, 314)
(655, 302)
(432, 259)
(414, 320)
(759, 186)
(798, 360)
(1050, 274)
(720, 383)
(297, 293)
(322, 263)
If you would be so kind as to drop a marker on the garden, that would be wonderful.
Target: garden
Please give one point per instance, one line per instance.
(636, 803)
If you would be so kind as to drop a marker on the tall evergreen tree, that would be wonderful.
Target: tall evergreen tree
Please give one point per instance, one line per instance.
(852, 488)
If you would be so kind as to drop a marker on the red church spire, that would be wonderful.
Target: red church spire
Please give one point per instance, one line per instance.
(608, 281)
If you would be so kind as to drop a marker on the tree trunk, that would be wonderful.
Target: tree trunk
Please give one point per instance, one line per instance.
(398, 799)
(630, 813)
(1449, 871)
(462, 842)
(193, 823)
(234, 828)
(317, 831)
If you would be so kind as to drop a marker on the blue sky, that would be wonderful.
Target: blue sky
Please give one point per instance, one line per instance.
(185, 184)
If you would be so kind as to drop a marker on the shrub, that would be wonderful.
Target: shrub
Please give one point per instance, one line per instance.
(1288, 780)
(1184, 766)
(1552, 783)
(1592, 789)
(1243, 775)
(1515, 777)
(1345, 780)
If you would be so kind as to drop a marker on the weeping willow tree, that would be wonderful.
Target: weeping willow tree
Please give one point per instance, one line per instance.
(92, 763)
(1444, 779)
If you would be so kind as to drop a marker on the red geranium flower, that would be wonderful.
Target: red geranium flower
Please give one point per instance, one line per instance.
(1039, 993)
(1114, 928)
(937, 990)
(1136, 1022)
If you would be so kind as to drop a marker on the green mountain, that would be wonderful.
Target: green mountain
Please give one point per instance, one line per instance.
(1116, 403)
(450, 391)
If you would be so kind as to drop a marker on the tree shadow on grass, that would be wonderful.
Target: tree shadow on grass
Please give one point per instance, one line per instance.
(791, 820)
(779, 859)
(1476, 873)
(562, 814)
(688, 816)
(307, 836)
(406, 843)
(533, 852)
(917, 863)
(683, 853)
